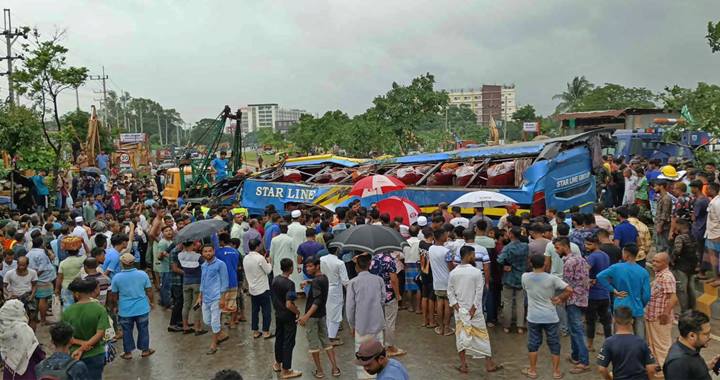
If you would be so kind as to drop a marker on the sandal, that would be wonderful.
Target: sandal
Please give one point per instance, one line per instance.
(147, 353)
(431, 326)
(291, 375)
(126, 356)
(336, 372)
(558, 377)
(526, 371)
(449, 332)
(497, 367)
(318, 375)
(462, 369)
(438, 330)
(256, 335)
(276, 367)
(211, 351)
(269, 336)
(578, 369)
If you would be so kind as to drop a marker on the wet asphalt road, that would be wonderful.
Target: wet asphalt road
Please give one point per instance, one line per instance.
(429, 356)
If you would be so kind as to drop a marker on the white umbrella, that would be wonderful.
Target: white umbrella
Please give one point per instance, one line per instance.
(482, 198)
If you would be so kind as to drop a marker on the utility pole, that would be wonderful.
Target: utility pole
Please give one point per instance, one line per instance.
(142, 129)
(135, 129)
(167, 135)
(124, 106)
(159, 127)
(10, 37)
(102, 77)
(77, 100)
(177, 133)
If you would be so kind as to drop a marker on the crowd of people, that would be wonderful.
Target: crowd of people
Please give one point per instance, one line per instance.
(109, 257)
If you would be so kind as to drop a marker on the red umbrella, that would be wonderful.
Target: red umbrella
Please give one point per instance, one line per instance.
(396, 206)
(376, 185)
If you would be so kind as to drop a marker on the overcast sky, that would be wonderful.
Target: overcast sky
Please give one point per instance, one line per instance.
(197, 56)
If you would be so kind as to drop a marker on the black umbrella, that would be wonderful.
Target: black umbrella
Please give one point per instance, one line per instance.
(91, 170)
(369, 238)
(199, 230)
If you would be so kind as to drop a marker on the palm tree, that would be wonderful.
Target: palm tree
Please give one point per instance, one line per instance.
(576, 90)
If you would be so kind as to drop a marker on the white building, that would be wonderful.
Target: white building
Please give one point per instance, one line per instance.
(497, 101)
(269, 115)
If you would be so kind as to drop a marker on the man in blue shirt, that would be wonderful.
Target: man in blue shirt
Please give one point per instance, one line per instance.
(373, 358)
(111, 266)
(598, 296)
(103, 161)
(630, 284)
(220, 165)
(624, 233)
(213, 283)
(231, 257)
(41, 192)
(132, 291)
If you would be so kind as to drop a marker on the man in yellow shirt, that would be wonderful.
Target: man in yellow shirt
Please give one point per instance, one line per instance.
(644, 240)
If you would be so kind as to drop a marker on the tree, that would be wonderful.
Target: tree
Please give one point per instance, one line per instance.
(43, 78)
(202, 134)
(76, 124)
(713, 36)
(404, 108)
(314, 135)
(573, 94)
(614, 96)
(525, 113)
(267, 137)
(703, 103)
(19, 127)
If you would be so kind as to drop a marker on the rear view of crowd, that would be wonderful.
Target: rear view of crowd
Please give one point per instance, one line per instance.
(631, 265)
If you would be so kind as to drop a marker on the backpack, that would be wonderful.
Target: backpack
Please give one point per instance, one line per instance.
(60, 373)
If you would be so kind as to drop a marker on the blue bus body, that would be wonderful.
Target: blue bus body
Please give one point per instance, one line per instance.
(560, 177)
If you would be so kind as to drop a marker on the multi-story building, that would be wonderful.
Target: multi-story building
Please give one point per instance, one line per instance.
(269, 115)
(497, 101)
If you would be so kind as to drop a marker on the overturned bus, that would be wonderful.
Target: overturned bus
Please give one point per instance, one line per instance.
(551, 173)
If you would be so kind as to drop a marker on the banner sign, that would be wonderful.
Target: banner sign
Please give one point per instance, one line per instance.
(530, 126)
(129, 138)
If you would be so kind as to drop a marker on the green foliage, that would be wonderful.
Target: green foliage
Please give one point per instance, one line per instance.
(19, 127)
(703, 103)
(317, 135)
(713, 36)
(44, 76)
(76, 127)
(37, 156)
(614, 96)
(202, 133)
(525, 113)
(575, 91)
(276, 140)
(404, 108)
(550, 127)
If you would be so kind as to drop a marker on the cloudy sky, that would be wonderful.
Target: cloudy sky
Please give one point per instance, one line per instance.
(197, 56)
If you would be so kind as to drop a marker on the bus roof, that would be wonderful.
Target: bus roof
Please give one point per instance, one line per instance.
(324, 159)
(516, 149)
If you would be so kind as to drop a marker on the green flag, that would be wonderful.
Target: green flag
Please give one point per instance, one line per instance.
(685, 113)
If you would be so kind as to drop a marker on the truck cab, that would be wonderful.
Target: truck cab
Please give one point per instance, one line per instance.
(648, 144)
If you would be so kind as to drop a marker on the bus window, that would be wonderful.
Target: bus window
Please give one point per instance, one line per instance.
(575, 191)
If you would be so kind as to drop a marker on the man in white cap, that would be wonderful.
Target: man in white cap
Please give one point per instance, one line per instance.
(296, 231)
(422, 221)
(80, 232)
